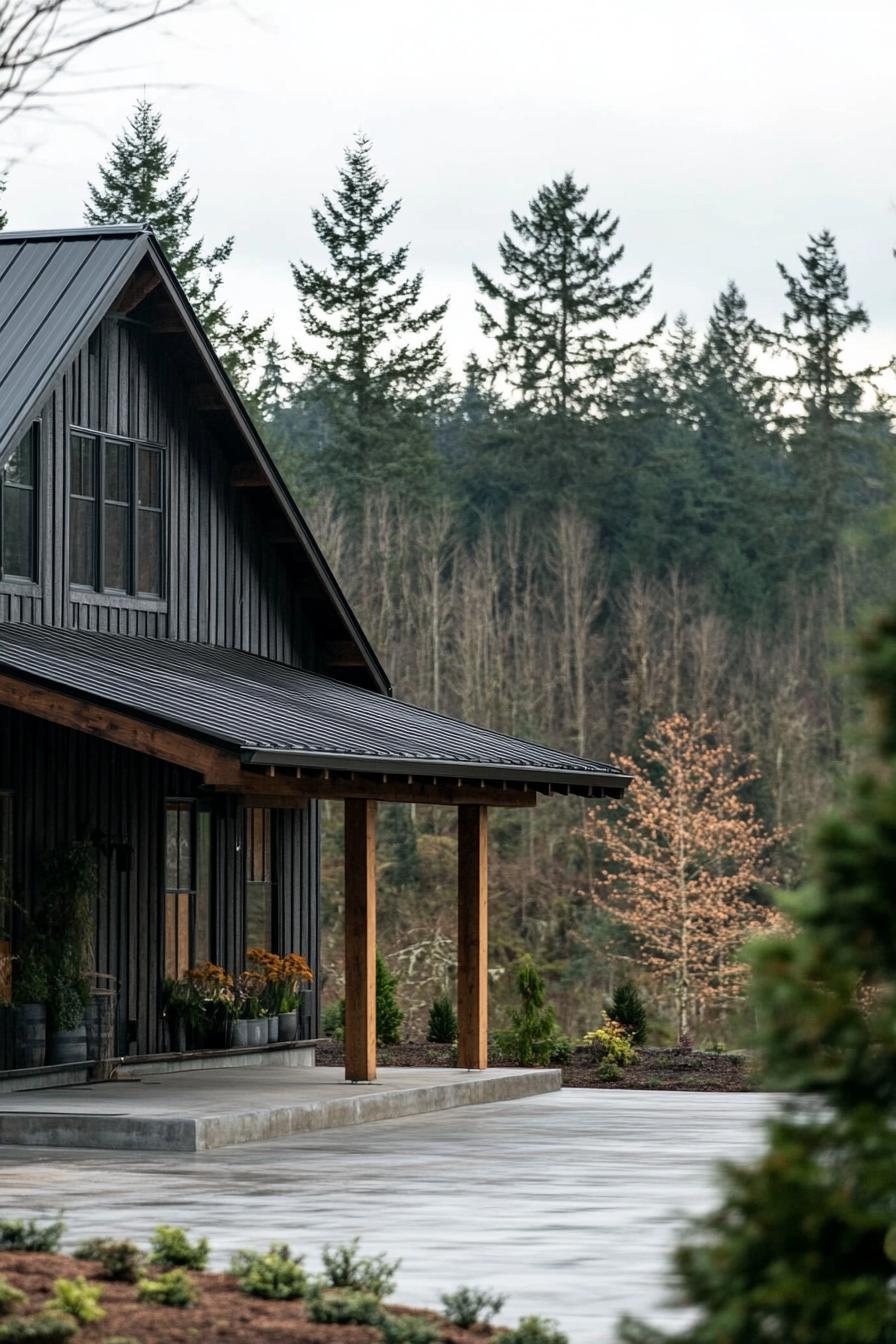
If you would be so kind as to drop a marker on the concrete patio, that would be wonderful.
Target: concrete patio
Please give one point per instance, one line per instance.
(567, 1203)
(191, 1112)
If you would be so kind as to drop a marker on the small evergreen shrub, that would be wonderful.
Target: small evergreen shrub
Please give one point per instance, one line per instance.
(120, 1261)
(171, 1248)
(442, 1028)
(389, 1016)
(17, 1235)
(533, 1035)
(172, 1289)
(47, 1327)
(345, 1268)
(608, 1072)
(407, 1329)
(343, 1307)
(628, 1009)
(535, 1330)
(79, 1299)
(611, 1042)
(333, 1023)
(11, 1299)
(562, 1051)
(273, 1274)
(471, 1306)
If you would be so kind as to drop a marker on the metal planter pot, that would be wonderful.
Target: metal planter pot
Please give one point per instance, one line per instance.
(239, 1038)
(273, 1030)
(258, 1031)
(289, 1026)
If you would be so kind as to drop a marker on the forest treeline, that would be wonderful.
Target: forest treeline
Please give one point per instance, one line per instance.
(609, 519)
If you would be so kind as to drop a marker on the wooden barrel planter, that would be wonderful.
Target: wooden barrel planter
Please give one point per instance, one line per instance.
(68, 1047)
(31, 1036)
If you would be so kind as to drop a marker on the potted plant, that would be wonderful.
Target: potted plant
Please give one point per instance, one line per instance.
(183, 1014)
(212, 989)
(249, 989)
(66, 921)
(295, 979)
(31, 989)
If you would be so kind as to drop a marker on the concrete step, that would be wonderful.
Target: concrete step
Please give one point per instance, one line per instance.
(213, 1108)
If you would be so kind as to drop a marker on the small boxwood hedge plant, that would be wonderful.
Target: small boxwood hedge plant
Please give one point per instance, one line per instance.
(467, 1307)
(10, 1298)
(172, 1289)
(273, 1274)
(407, 1329)
(344, 1267)
(17, 1235)
(535, 1330)
(171, 1248)
(343, 1306)
(79, 1299)
(47, 1327)
(120, 1261)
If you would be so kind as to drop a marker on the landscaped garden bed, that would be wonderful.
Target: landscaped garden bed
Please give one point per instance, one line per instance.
(673, 1070)
(115, 1292)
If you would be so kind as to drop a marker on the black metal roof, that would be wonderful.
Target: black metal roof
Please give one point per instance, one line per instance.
(277, 715)
(55, 288)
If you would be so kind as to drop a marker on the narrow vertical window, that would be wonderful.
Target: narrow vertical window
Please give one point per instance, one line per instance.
(187, 887)
(149, 522)
(117, 517)
(18, 511)
(83, 519)
(259, 879)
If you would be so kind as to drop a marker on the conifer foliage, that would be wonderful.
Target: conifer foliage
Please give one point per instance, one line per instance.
(554, 315)
(373, 351)
(137, 184)
(803, 1245)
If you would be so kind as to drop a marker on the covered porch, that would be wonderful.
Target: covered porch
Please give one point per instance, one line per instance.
(261, 735)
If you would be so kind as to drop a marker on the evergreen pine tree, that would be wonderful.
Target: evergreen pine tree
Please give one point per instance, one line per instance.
(828, 450)
(559, 304)
(375, 355)
(389, 1016)
(803, 1244)
(137, 185)
(4, 218)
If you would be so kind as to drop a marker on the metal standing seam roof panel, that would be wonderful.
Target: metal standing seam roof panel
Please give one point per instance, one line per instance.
(52, 294)
(275, 714)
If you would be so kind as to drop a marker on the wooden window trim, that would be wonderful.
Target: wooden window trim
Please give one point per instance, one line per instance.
(100, 594)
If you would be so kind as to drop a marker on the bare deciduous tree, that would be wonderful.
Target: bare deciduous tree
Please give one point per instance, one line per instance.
(39, 39)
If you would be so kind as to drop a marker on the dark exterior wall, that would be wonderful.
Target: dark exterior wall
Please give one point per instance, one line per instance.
(227, 583)
(67, 786)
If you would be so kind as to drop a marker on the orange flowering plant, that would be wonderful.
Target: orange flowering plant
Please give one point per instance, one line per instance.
(284, 977)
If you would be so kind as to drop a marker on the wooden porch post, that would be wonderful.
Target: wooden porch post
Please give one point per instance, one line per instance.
(360, 940)
(472, 936)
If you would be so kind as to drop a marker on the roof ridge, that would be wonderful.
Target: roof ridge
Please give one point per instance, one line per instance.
(78, 231)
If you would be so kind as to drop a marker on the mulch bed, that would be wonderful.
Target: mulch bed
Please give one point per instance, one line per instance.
(222, 1314)
(669, 1070)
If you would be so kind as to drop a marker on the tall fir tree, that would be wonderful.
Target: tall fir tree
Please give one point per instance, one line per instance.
(4, 218)
(374, 353)
(137, 185)
(831, 440)
(555, 314)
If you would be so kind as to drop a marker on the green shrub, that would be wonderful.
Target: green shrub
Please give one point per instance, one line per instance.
(628, 1009)
(120, 1261)
(407, 1329)
(608, 1072)
(91, 1249)
(173, 1289)
(171, 1248)
(389, 1016)
(532, 1036)
(345, 1268)
(47, 1327)
(611, 1042)
(343, 1307)
(78, 1298)
(471, 1306)
(442, 1022)
(274, 1274)
(535, 1330)
(333, 1024)
(10, 1298)
(17, 1235)
(562, 1051)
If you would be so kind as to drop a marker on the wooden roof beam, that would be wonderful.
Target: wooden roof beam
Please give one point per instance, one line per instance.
(282, 791)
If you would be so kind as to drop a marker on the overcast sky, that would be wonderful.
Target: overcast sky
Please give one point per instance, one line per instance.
(721, 132)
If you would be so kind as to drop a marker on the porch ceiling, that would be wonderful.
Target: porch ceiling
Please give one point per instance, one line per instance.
(278, 717)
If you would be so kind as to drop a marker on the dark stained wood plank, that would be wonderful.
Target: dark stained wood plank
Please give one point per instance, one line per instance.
(472, 937)
(360, 941)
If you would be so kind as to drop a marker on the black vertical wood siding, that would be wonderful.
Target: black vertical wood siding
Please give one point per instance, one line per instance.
(227, 584)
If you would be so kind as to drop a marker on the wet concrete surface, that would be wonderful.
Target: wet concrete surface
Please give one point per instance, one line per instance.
(567, 1203)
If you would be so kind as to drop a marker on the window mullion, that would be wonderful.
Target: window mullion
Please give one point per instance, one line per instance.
(133, 507)
(99, 487)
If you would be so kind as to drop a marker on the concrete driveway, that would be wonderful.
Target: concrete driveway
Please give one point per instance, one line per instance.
(566, 1203)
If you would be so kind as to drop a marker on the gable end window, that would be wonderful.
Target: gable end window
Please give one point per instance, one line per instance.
(116, 514)
(18, 511)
